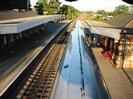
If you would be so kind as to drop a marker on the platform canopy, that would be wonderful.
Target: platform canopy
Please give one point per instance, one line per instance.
(109, 32)
(14, 4)
(104, 29)
(18, 25)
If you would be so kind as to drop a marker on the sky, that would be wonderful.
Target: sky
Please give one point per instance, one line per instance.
(91, 5)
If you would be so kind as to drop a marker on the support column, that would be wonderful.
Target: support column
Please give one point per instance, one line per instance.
(1, 44)
(106, 44)
(118, 54)
(124, 50)
(12, 38)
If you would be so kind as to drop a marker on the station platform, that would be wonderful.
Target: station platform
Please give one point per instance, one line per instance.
(12, 65)
(118, 84)
(129, 73)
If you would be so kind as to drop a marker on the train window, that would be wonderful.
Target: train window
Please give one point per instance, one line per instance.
(128, 1)
(71, 0)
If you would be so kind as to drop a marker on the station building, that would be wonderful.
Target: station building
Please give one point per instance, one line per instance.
(116, 35)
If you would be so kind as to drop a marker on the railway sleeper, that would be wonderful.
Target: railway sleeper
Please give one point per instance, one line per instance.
(21, 93)
(25, 87)
(49, 85)
(50, 82)
(40, 89)
(39, 74)
(43, 68)
(46, 95)
(42, 85)
(39, 94)
(54, 72)
(42, 73)
(27, 83)
(34, 73)
(53, 76)
(30, 80)
(38, 68)
(47, 90)
(27, 92)
(32, 76)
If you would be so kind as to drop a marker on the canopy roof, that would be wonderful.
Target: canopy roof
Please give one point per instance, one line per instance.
(104, 29)
(22, 24)
(113, 27)
(109, 32)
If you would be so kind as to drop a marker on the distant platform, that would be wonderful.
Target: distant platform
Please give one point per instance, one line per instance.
(12, 67)
(21, 24)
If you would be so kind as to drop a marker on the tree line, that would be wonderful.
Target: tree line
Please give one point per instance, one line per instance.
(43, 7)
(101, 14)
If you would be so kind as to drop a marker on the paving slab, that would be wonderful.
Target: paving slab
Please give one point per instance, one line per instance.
(116, 80)
(129, 73)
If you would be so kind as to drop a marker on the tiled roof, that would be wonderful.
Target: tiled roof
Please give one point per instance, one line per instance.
(130, 24)
(98, 24)
(121, 20)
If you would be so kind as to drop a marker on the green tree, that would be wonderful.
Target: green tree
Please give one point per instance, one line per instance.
(90, 15)
(39, 8)
(102, 12)
(69, 11)
(99, 18)
(121, 9)
(50, 8)
(63, 9)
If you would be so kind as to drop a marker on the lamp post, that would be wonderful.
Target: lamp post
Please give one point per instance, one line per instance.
(27, 5)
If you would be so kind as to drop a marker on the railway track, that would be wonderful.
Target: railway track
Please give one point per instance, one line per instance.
(37, 79)
(40, 83)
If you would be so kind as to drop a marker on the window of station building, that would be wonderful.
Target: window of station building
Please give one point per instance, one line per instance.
(129, 51)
